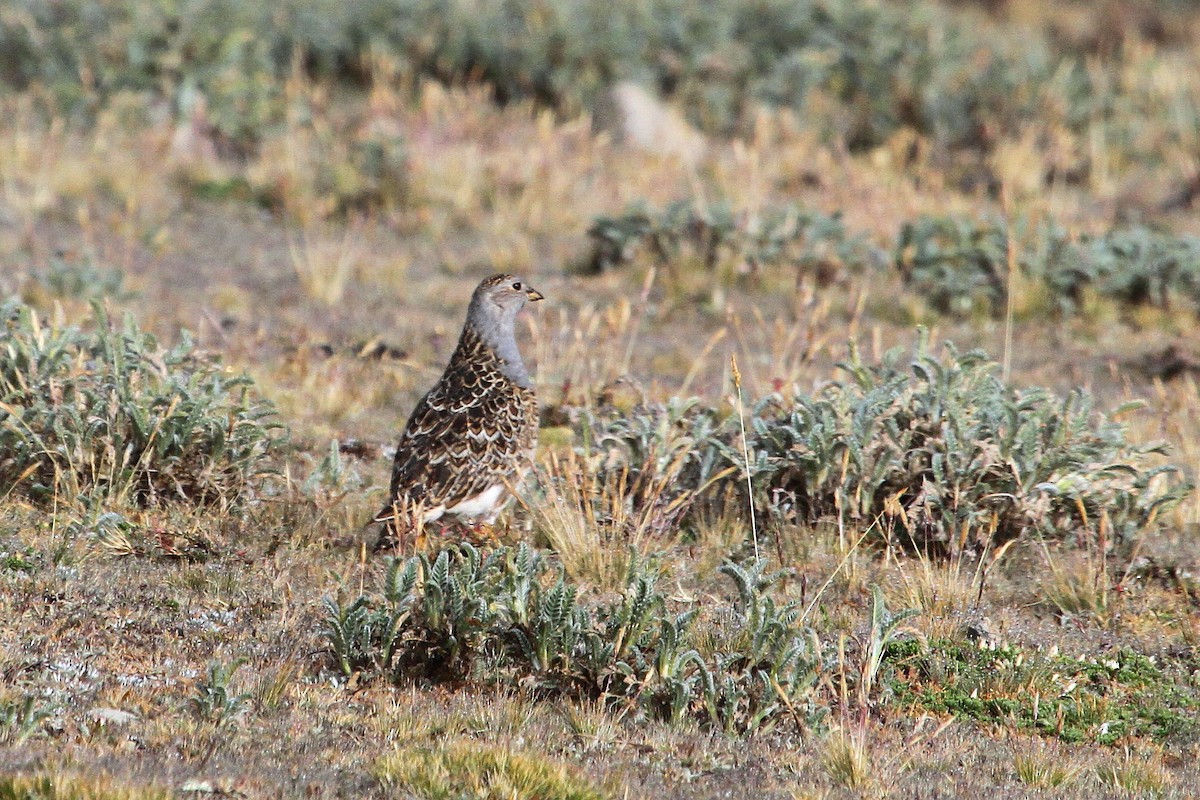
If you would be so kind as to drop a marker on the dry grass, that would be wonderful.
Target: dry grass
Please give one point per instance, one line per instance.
(1140, 774)
(594, 523)
(326, 260)
(593, 724)
(53, 785)
(477, 770)
(1042, 770)
(1076, 584)
(719, 532)
(944, 590)
(848, 762)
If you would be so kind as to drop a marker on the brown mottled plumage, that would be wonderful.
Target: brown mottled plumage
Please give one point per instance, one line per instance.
(471, 438)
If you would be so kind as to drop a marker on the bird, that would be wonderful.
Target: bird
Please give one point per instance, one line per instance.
(471, 438)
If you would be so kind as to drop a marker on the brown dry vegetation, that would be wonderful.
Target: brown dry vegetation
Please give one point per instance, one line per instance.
(342, 303)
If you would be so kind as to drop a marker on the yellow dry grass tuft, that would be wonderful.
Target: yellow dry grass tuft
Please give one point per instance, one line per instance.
(1045, 771)
(486, 772)
(1140, 774)
(847, 760)
(943, 590)
(56, 785)
(593, 522)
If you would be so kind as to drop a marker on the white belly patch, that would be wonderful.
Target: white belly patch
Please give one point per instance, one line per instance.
(485, 504)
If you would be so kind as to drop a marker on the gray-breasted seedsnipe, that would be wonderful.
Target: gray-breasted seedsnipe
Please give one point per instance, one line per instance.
(471, 438)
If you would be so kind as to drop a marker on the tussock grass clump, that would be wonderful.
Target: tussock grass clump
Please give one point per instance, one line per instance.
(487, 772)
(109, 415)
(62, 786)
(1045, 771)
(847, 760)
(593, 546)
(1077, 585)
(1137, 773)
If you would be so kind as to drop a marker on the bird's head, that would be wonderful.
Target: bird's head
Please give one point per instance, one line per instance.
(493, 316)
(502, 296)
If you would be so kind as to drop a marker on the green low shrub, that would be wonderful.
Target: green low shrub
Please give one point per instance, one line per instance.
(74, 279)
(939, 447)
(1134, 266)
(441, 616)
(1105, 700)
(663, 457)
(108, 415)
(960, 266)
(957, 266)
(715, 235)
(933, 448)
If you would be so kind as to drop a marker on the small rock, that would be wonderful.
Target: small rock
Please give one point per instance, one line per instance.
(980, 631)
(200, 787)
(112, 716)
(638, 119)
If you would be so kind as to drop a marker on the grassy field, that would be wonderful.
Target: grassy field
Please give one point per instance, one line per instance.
(791, 534)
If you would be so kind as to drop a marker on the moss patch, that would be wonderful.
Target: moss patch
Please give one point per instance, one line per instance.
(1101, 700)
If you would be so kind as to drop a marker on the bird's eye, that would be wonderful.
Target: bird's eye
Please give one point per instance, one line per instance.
(517, 286)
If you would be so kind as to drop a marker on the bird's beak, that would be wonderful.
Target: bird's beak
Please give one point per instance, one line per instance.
(534, 294)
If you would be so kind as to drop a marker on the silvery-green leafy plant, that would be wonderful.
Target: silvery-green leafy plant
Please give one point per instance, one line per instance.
(444, 615)
(107, 414)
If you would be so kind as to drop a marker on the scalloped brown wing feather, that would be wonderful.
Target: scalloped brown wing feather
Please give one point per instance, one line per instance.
(474, 429)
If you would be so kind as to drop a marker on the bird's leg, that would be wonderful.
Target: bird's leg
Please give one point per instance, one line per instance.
(388, 538)
(403, 526)
(483, 533)
(422, 538)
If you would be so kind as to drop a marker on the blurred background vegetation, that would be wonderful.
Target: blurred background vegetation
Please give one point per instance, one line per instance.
(963, 75)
